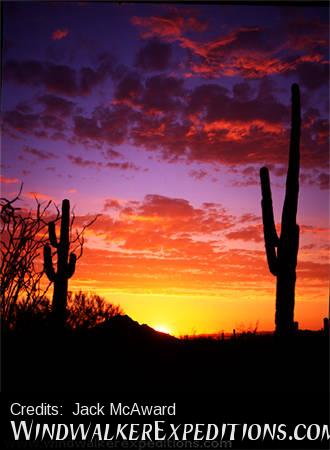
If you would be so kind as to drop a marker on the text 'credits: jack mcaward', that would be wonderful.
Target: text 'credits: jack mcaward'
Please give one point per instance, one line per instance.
(97, 409)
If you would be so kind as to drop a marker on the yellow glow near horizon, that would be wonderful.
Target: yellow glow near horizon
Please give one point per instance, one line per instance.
(162, 329)
(190, 312)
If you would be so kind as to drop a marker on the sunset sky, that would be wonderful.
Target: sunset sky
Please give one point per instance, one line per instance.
(158, 118)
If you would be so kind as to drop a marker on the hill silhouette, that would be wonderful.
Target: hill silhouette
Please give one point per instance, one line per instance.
(121, 355)
(123, 328)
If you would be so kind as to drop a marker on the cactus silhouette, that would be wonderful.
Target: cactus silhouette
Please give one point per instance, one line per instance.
(65, 264)
(282, 251)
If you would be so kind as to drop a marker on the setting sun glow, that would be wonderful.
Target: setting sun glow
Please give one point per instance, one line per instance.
(162, 329)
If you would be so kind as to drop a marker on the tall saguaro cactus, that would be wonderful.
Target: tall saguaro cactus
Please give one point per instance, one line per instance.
(282, 251)
(65, 264)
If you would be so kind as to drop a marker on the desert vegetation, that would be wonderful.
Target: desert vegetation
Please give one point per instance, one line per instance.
(25, 302)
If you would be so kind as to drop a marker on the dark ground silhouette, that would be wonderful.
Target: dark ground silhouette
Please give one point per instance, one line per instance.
(122, 356)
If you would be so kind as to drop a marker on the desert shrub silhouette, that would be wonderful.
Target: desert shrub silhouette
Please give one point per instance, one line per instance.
(83, 311)
(23, 235)
(282, 251)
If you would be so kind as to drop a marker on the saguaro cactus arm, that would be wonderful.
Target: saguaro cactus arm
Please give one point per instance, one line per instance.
(48, 263)
(270, 234)
(65, 269)
(52, 234)
(71, 265)
(290, 206)
(65, 223)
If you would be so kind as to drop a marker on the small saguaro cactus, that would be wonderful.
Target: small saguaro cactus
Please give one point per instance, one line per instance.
(65, 264)
(282, 251)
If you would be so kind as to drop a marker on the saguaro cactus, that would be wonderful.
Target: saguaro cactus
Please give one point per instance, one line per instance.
(65, 264)
(282, 251)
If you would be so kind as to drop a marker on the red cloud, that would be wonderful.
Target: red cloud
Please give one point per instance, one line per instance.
(251, 52)
(206, 124)
(170, 26)
(57, 35)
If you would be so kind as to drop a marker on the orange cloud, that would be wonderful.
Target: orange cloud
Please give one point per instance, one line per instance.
(60, 34)
(314, 230)
(238, 131)
(250, 233)
(38, 195)
(8, 180)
